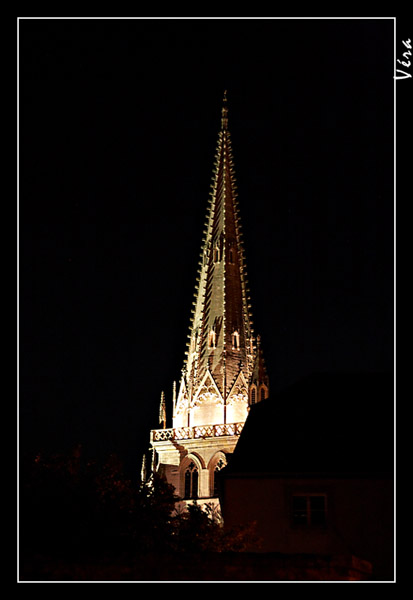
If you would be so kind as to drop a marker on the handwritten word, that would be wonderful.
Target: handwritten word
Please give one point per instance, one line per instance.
(406, 62)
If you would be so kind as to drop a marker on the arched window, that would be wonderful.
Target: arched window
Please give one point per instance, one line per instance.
(262, 393)
(220, 465)
(191, 481)
(253, 395)
(231, 256)
(211, 339)
(217, 253)
(235, 340)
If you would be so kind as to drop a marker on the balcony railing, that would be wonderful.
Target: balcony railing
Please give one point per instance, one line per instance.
(197, 432)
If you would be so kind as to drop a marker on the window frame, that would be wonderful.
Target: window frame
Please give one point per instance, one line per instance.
(253, 395)
(189, 478)
(235, 339)
(309, 511)
(212, 339)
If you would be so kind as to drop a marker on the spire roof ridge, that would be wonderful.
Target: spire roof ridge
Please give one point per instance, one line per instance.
(221, 337)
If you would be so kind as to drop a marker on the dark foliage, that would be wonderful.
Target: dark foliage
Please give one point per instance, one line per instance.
(75, 509)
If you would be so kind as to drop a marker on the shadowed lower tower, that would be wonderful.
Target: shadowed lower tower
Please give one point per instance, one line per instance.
(224, 371)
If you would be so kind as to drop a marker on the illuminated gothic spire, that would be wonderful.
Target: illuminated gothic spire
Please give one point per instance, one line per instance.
(221, 348)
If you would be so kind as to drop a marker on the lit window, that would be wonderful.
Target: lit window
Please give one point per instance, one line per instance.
(235, 340)
(309, 510)
(253, 395)
(191, 482)
(211, 339)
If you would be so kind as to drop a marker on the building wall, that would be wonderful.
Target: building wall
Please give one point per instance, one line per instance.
(207, 413)
(237, 412)
(359, 516)
(175, 456)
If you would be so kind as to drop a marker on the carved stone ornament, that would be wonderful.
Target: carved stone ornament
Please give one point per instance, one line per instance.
(208, 394)
(239, 392)
(182, 403)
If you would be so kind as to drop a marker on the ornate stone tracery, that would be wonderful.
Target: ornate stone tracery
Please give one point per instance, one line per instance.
(239, 391)
(208, 393)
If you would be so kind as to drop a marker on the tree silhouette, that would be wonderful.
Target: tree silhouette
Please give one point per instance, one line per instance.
(79, 510)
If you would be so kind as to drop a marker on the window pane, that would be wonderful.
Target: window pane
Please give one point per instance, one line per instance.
(195, 484)
(216, 489)
(187, 484)
(317, 508)
(299, 510)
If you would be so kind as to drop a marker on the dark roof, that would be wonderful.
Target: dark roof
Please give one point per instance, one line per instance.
(326, 423)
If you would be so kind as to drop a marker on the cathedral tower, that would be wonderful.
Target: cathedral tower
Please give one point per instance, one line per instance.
(223, 372)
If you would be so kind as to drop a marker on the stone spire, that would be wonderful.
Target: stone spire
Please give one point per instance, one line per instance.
(221, 349)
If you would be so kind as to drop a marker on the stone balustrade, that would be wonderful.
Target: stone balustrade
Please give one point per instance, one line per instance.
(196, 432)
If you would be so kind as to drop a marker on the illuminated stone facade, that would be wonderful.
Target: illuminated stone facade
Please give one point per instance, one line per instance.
(223, 373)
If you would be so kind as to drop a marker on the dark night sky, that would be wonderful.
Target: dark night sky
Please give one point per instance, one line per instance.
(118, 126)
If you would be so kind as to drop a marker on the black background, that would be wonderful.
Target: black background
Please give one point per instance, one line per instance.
(118, 124)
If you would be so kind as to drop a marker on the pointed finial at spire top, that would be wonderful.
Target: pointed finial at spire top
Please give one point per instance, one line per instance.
(224, 120)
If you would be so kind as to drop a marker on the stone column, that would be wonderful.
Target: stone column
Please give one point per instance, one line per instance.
(204, 491)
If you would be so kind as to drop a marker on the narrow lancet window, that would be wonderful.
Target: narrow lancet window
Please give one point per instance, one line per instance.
(191, 482)
(235, 340)
(212, 339)
(253, 395)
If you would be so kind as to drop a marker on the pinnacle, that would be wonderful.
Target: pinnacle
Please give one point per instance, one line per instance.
(224, 120)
